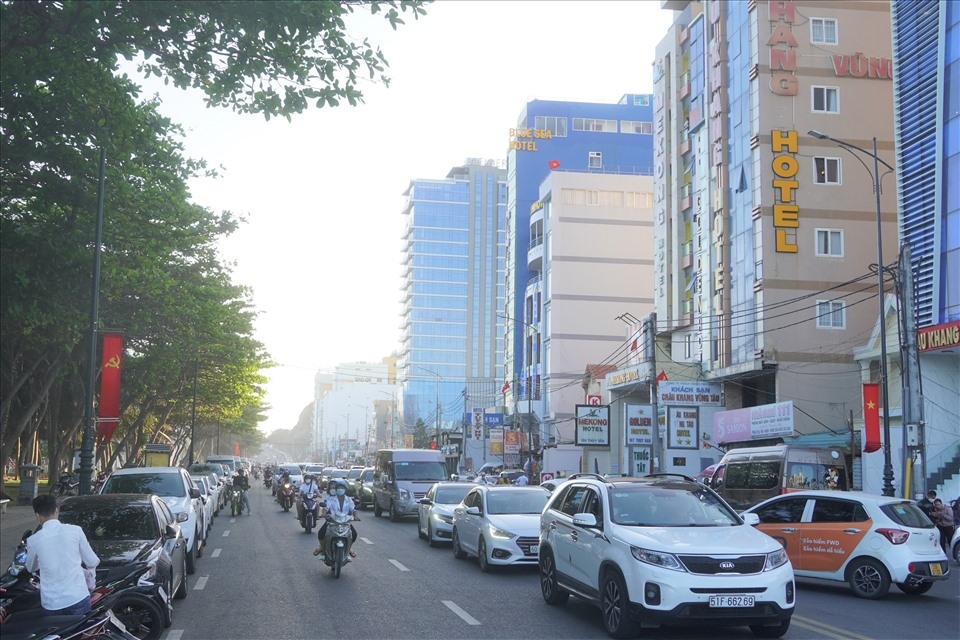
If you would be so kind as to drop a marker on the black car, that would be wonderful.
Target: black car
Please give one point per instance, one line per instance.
(124, 529)
(363, 488)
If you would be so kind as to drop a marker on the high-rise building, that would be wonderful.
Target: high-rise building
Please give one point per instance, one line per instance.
(453, 274)
(927, 110)
(766, 233)
(578, 250)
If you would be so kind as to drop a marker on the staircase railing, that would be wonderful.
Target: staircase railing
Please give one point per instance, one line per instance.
(943, 472)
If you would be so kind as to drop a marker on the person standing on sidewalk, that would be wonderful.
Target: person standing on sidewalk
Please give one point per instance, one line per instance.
(60, 552)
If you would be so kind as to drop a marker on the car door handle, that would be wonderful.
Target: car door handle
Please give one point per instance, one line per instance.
(851, 530)
(553, 526)
(789, 530)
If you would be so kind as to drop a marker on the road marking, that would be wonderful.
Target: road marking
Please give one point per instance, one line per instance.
(367, 540)
(226, 533)
(201, 583)
(174, 634)
(828, 630)
(232, 520)
(398, 565)
(466, 617)
(216, 553)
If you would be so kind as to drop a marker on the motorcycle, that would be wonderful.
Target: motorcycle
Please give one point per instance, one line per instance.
(308, 510)
(67, 485)
(285, 495)
(336, 542)
(268, 482)
(236, 501)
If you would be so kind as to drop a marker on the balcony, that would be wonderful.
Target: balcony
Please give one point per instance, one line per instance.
(535, 254)
(686, 255)
(533, 286)
(536, 217)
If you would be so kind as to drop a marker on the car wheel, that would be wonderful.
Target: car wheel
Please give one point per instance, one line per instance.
(181, 592)
(482, 558)
(430, 540)
(549, 586)
(868, 579)
(915, 589)
(772, 630)
(615, 607)
(140, 615)
(377, 510)
(394, 514)
(956, 552)
(458, 551)
(191, 562)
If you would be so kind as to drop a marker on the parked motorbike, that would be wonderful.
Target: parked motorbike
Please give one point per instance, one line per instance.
(308, 511)
(19, 589)
(285, 495)
(336, 542)
(236, 501)
(67, 485)
(142, 605)
(101, 478)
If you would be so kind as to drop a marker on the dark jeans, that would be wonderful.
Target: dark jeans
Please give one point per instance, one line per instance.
(77, 609)
(946, 533)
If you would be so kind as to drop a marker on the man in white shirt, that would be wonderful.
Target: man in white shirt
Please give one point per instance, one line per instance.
(521, 480)
(60, 551)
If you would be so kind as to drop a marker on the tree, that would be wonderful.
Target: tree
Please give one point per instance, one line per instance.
(421, 439)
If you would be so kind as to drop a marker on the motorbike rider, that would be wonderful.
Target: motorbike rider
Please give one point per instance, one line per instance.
(241, 480)
(308, 487)
(338, 503)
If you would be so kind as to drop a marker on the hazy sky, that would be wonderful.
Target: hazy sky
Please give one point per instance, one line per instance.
(322, 194)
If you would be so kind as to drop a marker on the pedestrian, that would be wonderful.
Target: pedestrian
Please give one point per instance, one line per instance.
(942, 516)
(521, 480)
(62, 554)
(926, 505)
(956, 512)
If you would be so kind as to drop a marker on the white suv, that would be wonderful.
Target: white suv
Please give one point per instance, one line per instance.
(663, 549)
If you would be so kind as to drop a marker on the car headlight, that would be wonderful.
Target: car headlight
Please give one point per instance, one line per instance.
(443, 518)
(776, 559)
(404, 494)
(657, 558)
(500, 533)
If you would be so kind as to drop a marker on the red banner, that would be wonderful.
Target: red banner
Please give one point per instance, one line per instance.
(236, 448)
(871, 417)
(109, 407)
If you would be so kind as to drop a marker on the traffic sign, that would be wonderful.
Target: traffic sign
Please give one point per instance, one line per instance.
(594, 400)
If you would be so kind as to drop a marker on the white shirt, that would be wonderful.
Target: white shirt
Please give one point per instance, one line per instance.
(57, 551)
(521, 480)
(307, 488)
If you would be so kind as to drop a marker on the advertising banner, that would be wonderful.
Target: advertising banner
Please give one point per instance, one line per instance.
(683, 428)
(511, 442)
(871, 416)
(640, 424)
(753, 423)
(109, 406)
(593, 426)
(641, 461)
(477, 424)
(703, 394)
(496, 442)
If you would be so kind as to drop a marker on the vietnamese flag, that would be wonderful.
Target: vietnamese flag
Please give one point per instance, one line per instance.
(871, 416)
(109, 405)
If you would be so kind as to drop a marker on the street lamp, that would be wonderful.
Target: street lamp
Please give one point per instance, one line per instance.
(876, 177)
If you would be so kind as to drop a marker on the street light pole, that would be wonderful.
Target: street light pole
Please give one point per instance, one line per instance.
(875, 176)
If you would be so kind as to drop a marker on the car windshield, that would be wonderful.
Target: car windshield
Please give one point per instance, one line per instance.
(353, 474)
(292, 470)
(314, 468)
(513, 500)
(907, 514)
(167, 485)
(121, 523)
(420, 471)
(338, 473)
(646, 506)
(450, 495)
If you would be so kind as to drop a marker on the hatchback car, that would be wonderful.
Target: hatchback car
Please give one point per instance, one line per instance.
(865, 540)
(435, 516)
(174, 486)
(499, 524)
(124, 529)
(664, 550)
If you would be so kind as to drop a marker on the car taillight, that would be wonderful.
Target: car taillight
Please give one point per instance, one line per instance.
(895, 536)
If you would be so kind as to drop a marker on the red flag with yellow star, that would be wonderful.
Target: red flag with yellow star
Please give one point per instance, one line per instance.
(871, 416)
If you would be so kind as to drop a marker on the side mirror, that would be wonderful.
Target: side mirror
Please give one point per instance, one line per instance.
(585, 520)
(385, 479)
(426, 501)
(26, 534)
(473, 511)
(171, 531)
(194, 492)
(751, 519)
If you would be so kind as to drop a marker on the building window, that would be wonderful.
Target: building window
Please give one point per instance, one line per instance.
(593, 197)
(641, 101)
(830, 242)
(595, 160)
(556, 125)
(826, 170)
(594, 124)
(826, 99)
(830, 314)
(823, 30)
(688, 347)
(639, 200)
(636, 126)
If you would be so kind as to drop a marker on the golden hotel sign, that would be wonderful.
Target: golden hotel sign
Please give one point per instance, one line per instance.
(526, 139)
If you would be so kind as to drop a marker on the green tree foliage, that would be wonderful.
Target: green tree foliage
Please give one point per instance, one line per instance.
(421, 439)
(162, 283)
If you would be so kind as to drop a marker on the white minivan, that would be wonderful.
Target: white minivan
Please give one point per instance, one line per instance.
(401, 477)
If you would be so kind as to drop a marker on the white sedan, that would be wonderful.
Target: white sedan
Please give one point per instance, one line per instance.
(207, 499)
(435, 513)
(499, 524)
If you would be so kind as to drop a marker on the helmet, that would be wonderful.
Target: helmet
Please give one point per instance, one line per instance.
(243, 471)
(308, 478)
(338, 483)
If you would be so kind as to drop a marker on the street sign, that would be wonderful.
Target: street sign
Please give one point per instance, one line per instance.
(594, 401)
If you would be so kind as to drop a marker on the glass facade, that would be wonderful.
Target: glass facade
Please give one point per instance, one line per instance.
(453, 291)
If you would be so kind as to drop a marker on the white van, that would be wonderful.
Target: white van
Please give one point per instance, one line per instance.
(401, 477)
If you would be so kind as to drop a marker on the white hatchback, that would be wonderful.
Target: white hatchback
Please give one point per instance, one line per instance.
(435, 515)
(499, 524)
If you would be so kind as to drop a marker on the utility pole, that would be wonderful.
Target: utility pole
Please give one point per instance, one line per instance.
(651, 331)
(912, 402)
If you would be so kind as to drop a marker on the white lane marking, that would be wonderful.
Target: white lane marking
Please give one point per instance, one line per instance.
(226, 533)
(216, 553)
(174, 634)
(232, 520)
(367, 540)
(466, 617)
(201, 583)
(398, 565)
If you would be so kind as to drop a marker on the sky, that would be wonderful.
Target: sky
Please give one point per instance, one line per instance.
(322, 194)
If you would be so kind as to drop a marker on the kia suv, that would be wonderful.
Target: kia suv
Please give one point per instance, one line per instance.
(662, 549)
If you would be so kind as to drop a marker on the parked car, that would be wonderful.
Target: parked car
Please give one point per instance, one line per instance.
(296, 475)
(955, 546)
(661, 549)
(207, 501)
(435, 518)
(551, 485)
(865, 540)
(364, 488)
(174, 486)
(133, 528)
(499, 524)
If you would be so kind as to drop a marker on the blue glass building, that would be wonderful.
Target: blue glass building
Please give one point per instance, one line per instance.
(453, 272)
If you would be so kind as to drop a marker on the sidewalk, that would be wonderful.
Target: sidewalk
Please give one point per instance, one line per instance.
(13, 523)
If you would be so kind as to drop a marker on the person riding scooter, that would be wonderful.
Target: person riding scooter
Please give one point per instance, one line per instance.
(241, 480)
(338, 503)
(307, 488)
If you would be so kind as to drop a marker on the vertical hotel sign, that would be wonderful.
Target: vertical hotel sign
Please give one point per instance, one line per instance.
(718, 155)
(782, 48)
(660, 186)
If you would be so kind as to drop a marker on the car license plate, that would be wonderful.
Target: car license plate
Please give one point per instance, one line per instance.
(535, 549)
(935, 569)
(730, 601)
